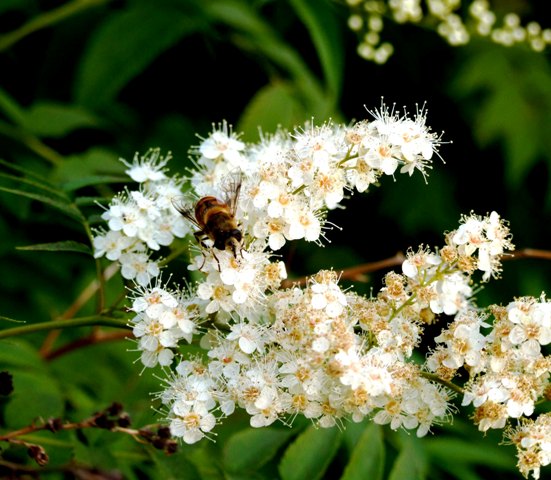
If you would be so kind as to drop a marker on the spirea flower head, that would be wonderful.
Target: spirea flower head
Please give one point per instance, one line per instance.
(456, 21)
(532, 438)
(275, 349)
(489, 237)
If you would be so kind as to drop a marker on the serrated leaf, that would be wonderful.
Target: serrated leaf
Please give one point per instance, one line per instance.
(310, 454)
(49, 119)
(368, 457)
(67, 208)
(510, 111)
(65, 246)
(323, 24)
(125, 44)
(250, 449)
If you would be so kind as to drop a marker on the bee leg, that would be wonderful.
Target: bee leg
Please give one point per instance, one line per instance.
(216, 258)
(200, 237)
(204, 260)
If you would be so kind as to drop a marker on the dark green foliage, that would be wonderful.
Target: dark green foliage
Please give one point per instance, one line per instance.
(117, 77)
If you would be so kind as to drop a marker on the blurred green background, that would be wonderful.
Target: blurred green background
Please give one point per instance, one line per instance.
(85, 82)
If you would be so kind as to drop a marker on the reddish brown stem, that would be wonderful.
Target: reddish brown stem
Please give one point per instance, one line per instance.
(530, 253)
(356, 273)
(94, 338)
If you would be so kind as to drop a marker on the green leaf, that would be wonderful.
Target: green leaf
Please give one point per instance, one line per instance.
(411, 463)
(125, 44)
(174, 467)
(450, 450)
(368, 457)
(49, 119)
(310, 454)
(65, 246)
(205, 460)
(29, 173)
(511, 111)
(11, 108)
(19, 353)
(273, 106)
(36, 184)
(36, 394)
(323, 24)
(69, 209)
(258, 34)
(94, 180)
(91, 167)
(250, 449)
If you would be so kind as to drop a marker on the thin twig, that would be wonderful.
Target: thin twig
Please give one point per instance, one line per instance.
(354, 273)
(74, 308)
(529, 253)
(93, 339)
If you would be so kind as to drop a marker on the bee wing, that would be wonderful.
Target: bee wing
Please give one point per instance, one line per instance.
(186, 207)
(231, 187)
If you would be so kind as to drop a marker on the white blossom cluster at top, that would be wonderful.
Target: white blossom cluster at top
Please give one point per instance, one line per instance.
(447, 17)
(319, 351)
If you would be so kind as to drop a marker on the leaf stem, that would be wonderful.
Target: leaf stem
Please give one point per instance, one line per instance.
(47, 19)
(94, 320)
(435, 378)
(31, 142)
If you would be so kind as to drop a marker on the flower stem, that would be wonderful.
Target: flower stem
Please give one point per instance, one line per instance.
(47, 19)
(435, 378)
(94, 320)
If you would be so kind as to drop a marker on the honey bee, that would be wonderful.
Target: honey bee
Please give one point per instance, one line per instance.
(215, 218)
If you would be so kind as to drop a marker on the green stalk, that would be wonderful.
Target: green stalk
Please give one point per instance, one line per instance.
(93, 320)
(47, 19)
(435, 378)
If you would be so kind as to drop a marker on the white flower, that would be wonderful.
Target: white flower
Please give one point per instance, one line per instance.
(191, 422)
(250, 337)
(111, 244)
(452, 294)
(223, 143)
(328, 297)
(147, 167)
(303, 223)
(137, 266)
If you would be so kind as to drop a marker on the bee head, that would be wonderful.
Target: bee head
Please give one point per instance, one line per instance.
(231, 240)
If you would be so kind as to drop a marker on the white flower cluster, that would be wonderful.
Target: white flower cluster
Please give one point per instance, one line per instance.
(287, 183)
(515, 372)
(142, 220)
(308, 360)
(488, 236)
(291, 180)
(162, 319)
(456, 27)
(533, 441)
(319, 351)
(508, 371)
(329, 355)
